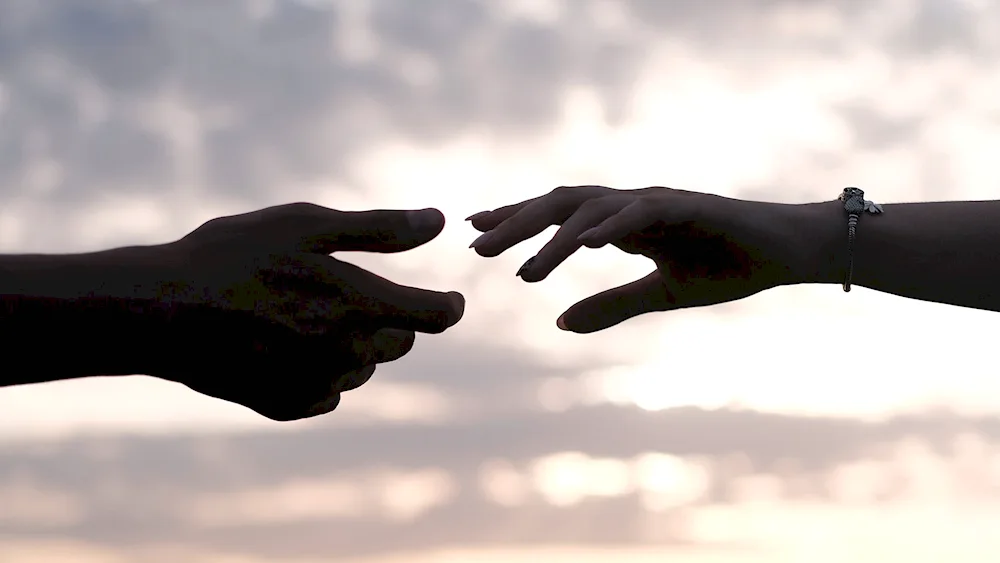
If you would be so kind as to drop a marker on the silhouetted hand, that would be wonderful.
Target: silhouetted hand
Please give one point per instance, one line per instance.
(261, 315)
(707, 249)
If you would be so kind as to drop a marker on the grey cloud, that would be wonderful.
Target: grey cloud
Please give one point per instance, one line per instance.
(298, 104)
(131, 491)
(875, 131)
(301, 108)
(498, 373)
(732, 27)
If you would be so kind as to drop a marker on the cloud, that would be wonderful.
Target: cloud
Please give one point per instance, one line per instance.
(245, 492)
(295, 90)
(178, 106)
(295, 100)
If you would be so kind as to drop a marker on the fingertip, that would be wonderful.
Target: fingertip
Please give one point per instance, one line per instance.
(325, 406)
(533, 275)
(349, 381)
(479, 215)
(457, 301)
(481, 241)
(577, 322)
(391, 344)
(426, 220)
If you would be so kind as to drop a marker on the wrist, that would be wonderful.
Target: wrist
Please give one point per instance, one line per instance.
(817, 251)
(80, 315)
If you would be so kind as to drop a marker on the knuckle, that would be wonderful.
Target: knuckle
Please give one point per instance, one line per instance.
(644, 208)
(301, 206)
(600, 203)
(573, 196)
(565, 194)
(292, 212)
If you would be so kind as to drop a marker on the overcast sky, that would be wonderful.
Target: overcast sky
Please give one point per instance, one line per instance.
(132, 122)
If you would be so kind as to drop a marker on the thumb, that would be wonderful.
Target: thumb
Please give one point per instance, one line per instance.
(382, 230)
(611, 307)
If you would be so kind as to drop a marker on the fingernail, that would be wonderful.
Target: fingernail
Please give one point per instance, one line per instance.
(589, 233)
(561, 322)
(525, 267)
(475, 216)
(424, 219)
(483, 239)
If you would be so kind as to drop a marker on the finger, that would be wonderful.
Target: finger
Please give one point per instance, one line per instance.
(299, 400)
(386, 304)
(488, 220)
(328, 404)
(329, 400)
(385, 231)
(386, 345)
(391, 344)
(565, 242)
(611, 307)
(637, 216)
(352, 380)
(534, 217)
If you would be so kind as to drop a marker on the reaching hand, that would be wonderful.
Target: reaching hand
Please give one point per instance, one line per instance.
(262, 316)
(707, 249)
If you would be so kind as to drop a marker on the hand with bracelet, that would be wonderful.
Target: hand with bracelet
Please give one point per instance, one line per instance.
(249, 308)
(709, 249)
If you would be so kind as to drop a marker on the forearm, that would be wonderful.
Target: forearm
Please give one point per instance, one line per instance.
(76, 315)
(946, 252)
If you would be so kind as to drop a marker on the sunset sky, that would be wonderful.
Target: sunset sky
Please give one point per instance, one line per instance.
(125, 122)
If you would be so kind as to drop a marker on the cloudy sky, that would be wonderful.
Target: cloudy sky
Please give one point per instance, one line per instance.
(728, 434)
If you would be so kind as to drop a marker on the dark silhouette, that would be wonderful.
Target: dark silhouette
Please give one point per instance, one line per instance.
(252, 309)
(248, 308)
(710, 249)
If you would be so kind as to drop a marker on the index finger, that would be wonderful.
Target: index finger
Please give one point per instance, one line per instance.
(391, 305)
(534, 216)
(379, 230)
(489, 220)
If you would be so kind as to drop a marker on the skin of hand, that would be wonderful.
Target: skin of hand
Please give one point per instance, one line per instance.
(707, 249)
(258, 313)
